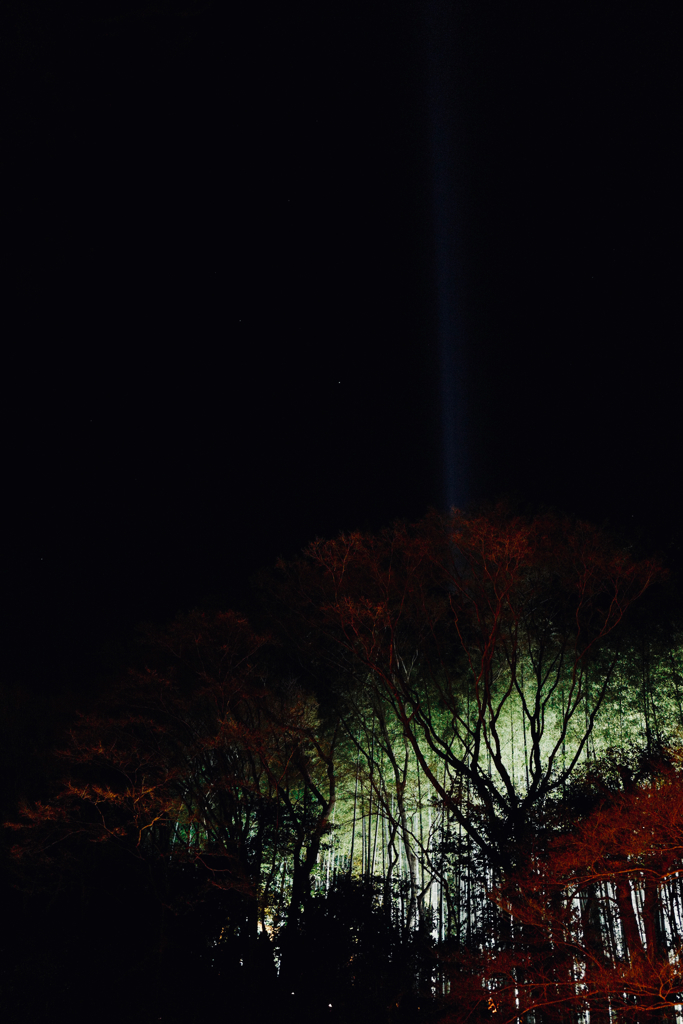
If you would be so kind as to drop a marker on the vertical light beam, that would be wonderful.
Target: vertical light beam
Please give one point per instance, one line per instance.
(446, 253)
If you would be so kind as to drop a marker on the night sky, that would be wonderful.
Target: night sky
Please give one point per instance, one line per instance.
(273, 271)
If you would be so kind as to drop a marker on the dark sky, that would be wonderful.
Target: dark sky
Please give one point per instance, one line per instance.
(229, 235)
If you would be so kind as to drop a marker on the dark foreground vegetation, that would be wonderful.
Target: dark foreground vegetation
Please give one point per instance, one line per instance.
(440, 779)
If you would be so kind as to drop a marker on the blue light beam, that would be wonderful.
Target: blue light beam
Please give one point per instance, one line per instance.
(446, 234)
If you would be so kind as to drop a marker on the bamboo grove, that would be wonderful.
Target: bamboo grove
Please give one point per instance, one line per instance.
(468, 717)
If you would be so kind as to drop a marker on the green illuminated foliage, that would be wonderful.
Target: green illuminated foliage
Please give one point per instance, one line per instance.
(423, 718)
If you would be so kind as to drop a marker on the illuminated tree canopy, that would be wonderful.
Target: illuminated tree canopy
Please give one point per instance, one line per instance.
(455, 715)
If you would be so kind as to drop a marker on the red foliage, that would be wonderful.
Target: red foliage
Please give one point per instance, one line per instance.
(593, 919)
